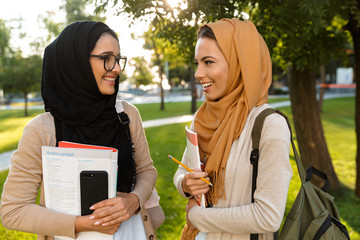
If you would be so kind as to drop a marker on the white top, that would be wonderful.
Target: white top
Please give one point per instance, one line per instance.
(235, 217)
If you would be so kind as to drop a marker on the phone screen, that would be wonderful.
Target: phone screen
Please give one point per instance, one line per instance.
(93, 189)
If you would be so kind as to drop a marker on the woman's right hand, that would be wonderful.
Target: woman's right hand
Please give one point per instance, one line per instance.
(84, 224)
(193, 185)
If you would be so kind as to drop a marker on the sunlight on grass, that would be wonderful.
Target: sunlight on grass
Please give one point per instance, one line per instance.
(172, 203)
(12, 123)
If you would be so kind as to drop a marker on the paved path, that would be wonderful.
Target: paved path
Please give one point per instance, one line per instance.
(5, 157)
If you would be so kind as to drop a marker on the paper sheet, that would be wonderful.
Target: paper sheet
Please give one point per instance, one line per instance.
(61, 173)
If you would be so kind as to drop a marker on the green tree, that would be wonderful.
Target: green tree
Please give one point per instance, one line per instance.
(142, 74)
(303, 35)
(158, 46)
(177, 24)
(76, 11)
(54, 28)
(4, 42)
(23, 75)
(165, 55)
(5, 49)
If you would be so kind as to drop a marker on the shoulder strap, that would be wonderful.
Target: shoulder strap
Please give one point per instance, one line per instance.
(254, 156)
(255, 135)
(123, 118)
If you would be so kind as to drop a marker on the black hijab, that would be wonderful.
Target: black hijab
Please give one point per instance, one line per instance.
(81, 112)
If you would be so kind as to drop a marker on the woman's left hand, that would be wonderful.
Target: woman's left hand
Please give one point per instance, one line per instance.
(191, 203)
(115, 210)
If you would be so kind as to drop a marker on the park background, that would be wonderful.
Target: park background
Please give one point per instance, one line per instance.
(311, 44)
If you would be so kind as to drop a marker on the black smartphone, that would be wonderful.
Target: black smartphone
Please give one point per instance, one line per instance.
(93, 189)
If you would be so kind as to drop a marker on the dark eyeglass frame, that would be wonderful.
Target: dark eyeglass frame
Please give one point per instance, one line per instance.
(117, 60)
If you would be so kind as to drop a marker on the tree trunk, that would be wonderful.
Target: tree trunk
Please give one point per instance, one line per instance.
(193, 88)
(162, 104)
(322, 89)
(26, 104)
(308, 126)
(161, 72)
(354, 29)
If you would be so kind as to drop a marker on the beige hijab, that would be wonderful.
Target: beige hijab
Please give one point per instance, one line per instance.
(220, 122)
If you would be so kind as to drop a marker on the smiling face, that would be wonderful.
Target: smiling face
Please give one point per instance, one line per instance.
(106, 45)
(212, 68)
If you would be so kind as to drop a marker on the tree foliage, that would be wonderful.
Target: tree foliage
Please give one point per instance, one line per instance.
(23, 75)
(76, 11)
(178, 24)
(301, 35)
(5, 49)
(142, 74)
(4, 41)
(168, 53)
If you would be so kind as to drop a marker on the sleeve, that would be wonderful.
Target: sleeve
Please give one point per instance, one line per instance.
(179, 176)
(146, 174)
(18, 208)
(274, 174)
(180, 173)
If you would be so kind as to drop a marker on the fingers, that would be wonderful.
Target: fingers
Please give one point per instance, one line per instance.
(192, 184)
(83, 223)
(104, 203)
(112, 216)
(112, 212)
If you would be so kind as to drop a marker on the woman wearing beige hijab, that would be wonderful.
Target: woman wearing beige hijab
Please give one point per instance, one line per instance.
(234, 68)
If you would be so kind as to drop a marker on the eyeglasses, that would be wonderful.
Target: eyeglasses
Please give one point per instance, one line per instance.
(111, 60)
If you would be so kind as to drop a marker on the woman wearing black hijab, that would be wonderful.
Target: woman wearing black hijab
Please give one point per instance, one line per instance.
(79, 87)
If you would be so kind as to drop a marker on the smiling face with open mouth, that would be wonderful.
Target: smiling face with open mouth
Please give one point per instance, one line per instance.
(106, 45)
(212, 68)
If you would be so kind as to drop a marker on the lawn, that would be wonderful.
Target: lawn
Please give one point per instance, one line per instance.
(338, 121)
(12, 122)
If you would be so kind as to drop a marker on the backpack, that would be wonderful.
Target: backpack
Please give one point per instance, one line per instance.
(313, 214)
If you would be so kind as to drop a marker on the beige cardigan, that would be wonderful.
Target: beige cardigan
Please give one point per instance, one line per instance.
(18, 208)
(235, 217)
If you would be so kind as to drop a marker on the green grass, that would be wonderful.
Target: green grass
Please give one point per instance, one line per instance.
(338, 122)
(163, 141)
(274, 99)
(152, 110)
(12, 123)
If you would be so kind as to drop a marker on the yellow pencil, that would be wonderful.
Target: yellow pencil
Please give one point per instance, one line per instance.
(189, 169)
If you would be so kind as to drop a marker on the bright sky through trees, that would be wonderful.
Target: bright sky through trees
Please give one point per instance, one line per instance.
(29, 11)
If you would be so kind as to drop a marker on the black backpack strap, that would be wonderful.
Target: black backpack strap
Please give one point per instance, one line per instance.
(125, 121)
(341, 227)
(254, 156)
(123, 118)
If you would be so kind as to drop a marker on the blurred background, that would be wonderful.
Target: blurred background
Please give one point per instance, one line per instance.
(315, 51)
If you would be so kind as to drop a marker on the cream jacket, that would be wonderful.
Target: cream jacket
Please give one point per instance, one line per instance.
(235, 217)
(18, 208)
